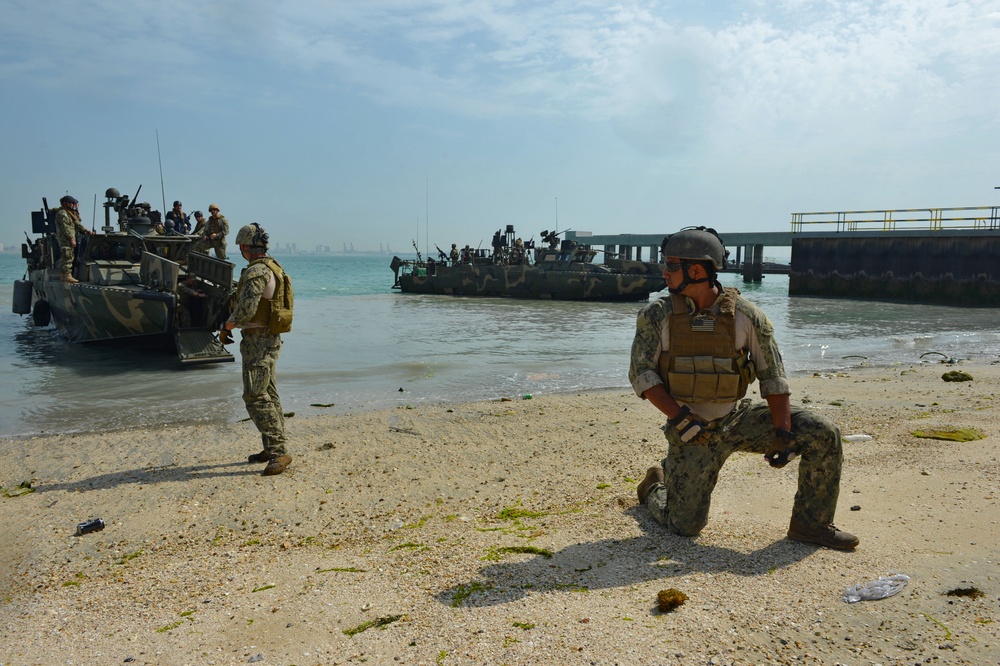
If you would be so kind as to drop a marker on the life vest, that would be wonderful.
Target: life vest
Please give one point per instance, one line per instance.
(216, 225)
(703, 364)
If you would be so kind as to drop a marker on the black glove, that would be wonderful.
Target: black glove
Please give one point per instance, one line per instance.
(781, 451)
(225, 335)
(691, 427)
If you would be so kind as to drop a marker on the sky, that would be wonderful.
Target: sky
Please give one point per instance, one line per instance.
(373, 124)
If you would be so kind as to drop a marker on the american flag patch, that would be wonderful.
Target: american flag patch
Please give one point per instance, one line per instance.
(703, 324)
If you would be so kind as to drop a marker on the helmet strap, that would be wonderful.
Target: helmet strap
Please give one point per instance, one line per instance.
(688, 280)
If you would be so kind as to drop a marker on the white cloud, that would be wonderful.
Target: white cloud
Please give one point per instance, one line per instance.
(755, 91)
(784, 67)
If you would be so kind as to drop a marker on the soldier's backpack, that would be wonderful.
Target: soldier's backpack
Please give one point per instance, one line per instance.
(283, 302)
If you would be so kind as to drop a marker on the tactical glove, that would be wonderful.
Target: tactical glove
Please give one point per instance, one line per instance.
(781, 451)
(692, 428)
(225, 335)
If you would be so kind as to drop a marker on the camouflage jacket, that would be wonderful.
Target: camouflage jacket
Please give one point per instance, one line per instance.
(67, 224)
(217, 225)
(253, 283)
(754, 331)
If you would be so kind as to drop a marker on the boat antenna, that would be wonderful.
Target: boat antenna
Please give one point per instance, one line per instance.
(93, 219)
(158, 159)
(557, 215)
(427, 217)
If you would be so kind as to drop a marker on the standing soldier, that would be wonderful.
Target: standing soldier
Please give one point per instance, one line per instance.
(259, 347)
(454, 254)
(67, 224)
(214, 235)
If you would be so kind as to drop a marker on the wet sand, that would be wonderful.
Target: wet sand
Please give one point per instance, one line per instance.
(502, 532)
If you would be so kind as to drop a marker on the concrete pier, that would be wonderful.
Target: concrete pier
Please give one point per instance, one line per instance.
(927, 255)
(950, 270)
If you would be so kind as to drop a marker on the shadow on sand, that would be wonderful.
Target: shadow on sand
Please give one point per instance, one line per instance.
(614, 563)
(152, 475)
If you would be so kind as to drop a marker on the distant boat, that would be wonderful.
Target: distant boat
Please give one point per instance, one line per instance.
(559, 270)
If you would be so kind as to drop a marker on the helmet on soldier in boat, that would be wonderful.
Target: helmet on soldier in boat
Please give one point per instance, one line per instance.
(696, 244)
(253, 235)
(68, 200)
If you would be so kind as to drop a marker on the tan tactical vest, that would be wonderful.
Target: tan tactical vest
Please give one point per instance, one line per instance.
(214, 225)
(703, 364)
(262, 317)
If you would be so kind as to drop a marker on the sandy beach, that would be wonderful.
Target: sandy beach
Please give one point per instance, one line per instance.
(503, 532)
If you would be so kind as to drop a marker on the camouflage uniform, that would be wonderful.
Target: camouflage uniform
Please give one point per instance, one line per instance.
(214, 225)
(67, 225)
(259, 349)
(682, 501)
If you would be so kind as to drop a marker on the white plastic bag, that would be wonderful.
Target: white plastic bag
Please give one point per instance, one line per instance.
(885, 586)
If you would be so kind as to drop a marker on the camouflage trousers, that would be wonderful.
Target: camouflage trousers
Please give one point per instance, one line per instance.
(66, 265)
(260, 355)
(682, 501)
(217, 244)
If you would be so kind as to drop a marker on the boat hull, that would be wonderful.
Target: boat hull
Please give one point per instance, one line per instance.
(535, 282)
(86, 312)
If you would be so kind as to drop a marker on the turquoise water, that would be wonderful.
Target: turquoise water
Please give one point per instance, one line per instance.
(356, 343)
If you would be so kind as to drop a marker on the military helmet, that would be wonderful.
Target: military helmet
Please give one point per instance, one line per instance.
(68, 200)
(252, 234)
(696, 244)
(112, 193)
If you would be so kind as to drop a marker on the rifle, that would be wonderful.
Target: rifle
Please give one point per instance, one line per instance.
(441, 254)
(419, 258)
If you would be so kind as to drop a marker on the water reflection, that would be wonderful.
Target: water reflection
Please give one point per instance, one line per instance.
(59, 386)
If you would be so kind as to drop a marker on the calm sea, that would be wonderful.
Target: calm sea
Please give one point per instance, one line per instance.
(358, 344)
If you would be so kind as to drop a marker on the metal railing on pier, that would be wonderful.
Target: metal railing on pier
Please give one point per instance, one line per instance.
(934, 219)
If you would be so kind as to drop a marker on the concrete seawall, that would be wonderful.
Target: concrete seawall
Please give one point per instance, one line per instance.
(952, 270)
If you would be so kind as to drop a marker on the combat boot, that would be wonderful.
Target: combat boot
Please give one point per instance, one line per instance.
(69, 279)
(276, 465)
(824, 535)
(654, 475)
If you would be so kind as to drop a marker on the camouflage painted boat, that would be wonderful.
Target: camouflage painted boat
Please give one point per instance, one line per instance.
(137, 283)
(561, 270)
